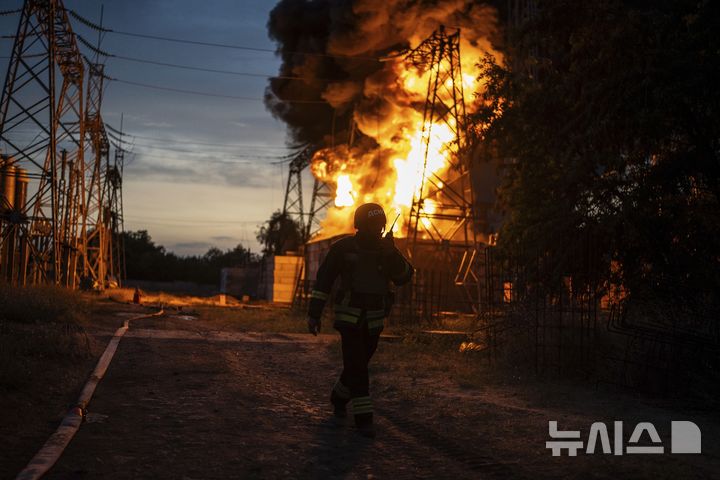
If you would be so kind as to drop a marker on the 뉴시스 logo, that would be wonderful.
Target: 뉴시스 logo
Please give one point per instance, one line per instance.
(685, 437)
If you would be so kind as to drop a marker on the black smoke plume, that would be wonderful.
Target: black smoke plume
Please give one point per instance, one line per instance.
(334, 49)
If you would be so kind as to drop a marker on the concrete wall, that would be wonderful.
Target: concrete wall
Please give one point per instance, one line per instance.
(240, 281)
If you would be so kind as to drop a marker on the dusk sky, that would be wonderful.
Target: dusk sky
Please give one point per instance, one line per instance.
(201, 171)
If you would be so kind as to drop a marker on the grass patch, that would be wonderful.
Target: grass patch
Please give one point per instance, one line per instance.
(435, 356)
(40, 326)
(42, 305)
(125, 295)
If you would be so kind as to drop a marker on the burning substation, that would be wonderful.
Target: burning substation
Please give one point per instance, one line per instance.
(405, 146)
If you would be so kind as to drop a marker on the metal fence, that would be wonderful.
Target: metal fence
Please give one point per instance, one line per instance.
(560, 318)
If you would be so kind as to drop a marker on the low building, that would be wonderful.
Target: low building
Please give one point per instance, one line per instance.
(280, 276)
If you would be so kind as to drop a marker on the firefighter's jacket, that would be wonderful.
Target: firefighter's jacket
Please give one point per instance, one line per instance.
(366, 268)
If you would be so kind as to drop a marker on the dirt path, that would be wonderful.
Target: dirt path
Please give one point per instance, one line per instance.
(185, 401)
(184, 404)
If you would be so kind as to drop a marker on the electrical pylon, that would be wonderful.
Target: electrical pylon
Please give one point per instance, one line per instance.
(114, 218)
(442, 214)
(98, 241)
(293, 204)
(42, 131)
(321, 198)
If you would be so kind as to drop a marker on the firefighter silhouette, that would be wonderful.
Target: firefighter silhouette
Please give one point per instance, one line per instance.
(366, 263)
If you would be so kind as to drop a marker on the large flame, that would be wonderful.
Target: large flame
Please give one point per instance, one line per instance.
(392, 173)
(344, 193)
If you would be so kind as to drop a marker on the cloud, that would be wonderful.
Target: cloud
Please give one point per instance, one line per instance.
(156, 171)
(189, 248)
(223, 238)
(152, 124)
(209, 168)
(186, 245)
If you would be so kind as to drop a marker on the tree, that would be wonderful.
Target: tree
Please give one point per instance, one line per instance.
(610, 125)
(279, 234)
(147, 261)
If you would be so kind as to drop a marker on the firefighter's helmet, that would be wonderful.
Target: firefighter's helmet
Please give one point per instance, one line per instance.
(370, 217)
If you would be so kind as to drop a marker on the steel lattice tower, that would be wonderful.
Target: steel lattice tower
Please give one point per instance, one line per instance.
(42, 98)
(98, 241)
(114, 218)
(293, 204)
(441, 217)
(321, 198)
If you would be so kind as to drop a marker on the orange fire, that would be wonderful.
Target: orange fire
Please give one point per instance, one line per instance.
(392, 174)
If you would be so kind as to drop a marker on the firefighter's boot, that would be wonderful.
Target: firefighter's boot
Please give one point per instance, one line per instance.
(339, 398)
(363, 413)
(364, 425)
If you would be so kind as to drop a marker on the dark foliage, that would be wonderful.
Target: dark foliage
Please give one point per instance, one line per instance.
(280, 234)
(607, 119)
(147, 261)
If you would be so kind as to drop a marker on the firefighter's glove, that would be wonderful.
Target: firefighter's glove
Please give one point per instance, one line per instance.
(313, 325)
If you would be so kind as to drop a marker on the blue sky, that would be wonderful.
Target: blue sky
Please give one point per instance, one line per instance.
(201, 173)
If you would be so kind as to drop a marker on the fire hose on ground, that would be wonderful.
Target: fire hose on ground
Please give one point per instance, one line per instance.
(58, 441)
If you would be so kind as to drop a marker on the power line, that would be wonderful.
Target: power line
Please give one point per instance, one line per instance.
(114, 129)
(210, 149)
(207, 158)
(93, 25)
(206, 94)
(195, 68)
(208, 155)
(205, 69)
(228, 145)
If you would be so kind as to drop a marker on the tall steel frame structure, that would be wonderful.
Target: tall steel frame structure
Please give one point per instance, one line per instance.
(97, 247)
(293, 205)
(442, 214)
(115, 218)
(321, 197)
(42, 222)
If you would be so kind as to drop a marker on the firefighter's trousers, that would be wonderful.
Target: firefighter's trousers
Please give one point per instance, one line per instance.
(358, 347)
